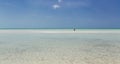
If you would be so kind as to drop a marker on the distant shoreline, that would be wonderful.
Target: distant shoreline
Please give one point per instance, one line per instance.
(59, 31)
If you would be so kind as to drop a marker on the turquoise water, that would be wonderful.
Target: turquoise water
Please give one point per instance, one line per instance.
(26, 47)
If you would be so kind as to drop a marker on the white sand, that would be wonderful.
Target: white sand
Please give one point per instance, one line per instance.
(61, 31)
(58, 47)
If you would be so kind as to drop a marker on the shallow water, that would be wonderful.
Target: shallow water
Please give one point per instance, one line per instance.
(59, 48)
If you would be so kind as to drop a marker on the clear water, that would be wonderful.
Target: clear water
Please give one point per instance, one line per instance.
(28, 47)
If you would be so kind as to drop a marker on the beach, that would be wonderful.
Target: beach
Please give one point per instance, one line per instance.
(59, 46)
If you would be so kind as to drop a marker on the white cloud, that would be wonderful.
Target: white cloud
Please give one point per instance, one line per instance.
(56, 6)
(59, 3)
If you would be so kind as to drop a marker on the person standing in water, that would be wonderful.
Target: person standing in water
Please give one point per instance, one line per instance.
(74, 29)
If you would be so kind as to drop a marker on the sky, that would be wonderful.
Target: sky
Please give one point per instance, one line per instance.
(59, 14)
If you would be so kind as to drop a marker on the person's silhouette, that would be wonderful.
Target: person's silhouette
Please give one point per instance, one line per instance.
(74, 29)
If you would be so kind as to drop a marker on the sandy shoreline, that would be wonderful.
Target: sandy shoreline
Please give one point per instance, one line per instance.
(42, 47)
(84, 54)
(59, 31)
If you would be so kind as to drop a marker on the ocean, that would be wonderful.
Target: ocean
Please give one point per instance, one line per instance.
(59, 46)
